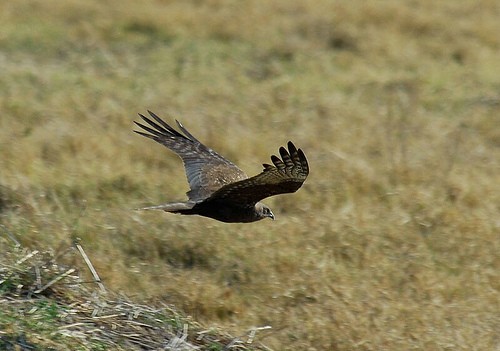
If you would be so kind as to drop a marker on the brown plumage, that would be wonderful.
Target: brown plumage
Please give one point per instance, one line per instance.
(219, 189)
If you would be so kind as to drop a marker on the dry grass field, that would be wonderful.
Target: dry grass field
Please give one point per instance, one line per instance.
(393, 243)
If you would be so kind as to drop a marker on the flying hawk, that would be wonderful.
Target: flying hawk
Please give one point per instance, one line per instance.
(219, 189)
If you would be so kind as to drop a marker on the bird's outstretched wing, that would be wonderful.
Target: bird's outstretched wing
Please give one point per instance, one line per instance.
(206, 170)
(286, 176)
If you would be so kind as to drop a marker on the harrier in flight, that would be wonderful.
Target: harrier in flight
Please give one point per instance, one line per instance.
(219, 189)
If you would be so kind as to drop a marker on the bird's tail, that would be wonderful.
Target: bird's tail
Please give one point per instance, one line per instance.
(174, 207)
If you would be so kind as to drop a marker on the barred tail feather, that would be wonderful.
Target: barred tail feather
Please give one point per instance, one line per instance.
(175, 207)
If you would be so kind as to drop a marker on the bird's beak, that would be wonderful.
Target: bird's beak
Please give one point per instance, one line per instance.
(271, 215)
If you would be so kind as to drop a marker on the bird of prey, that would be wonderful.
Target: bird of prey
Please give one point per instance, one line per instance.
(219, 189)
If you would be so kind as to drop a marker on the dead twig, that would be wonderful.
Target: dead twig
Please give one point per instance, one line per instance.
(55, 280)
(97, 279)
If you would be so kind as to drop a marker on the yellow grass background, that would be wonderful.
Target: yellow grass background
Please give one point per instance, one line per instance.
(393, 243)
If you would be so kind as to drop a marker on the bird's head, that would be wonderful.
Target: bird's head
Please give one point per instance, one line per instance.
(263, 211)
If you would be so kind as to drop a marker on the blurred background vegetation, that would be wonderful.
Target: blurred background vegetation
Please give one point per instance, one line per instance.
(393, 242)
